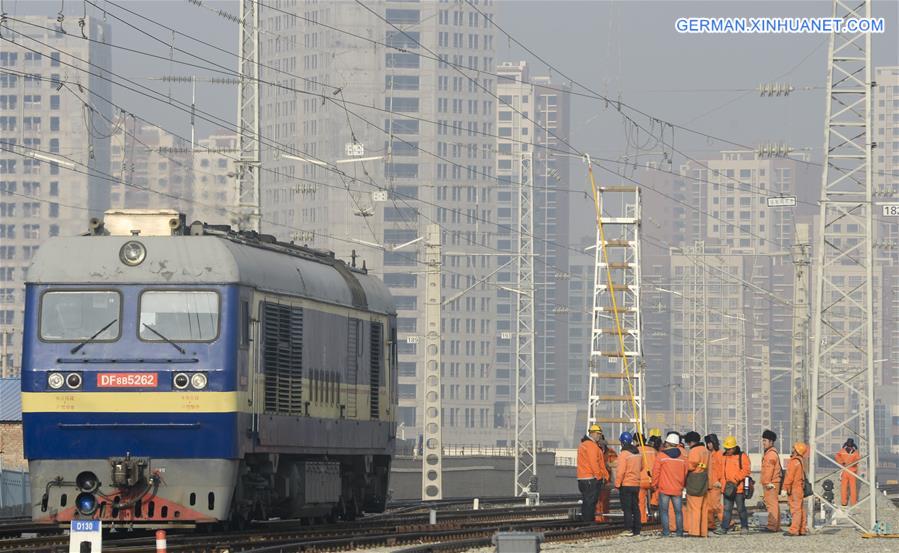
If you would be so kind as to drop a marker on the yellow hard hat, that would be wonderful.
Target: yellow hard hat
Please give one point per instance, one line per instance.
(655, 432)
(730, 442)
(594, 428)
(800, 448)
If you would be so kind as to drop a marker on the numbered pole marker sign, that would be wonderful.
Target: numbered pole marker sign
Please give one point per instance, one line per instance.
(890, 210)
(85, 531)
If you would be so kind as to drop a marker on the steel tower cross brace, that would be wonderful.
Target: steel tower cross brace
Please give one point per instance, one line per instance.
(525, 371)
(616, 371)
(842, 379)
(248, 117)
(432, 444)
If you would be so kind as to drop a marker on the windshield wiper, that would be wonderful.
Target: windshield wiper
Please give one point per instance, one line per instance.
(77, 348)
(174, 345)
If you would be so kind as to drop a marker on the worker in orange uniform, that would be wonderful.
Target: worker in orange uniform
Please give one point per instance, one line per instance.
(591, 471)
(696, 517)
(848, 458)
(770, 478)
(794, 484)
(736, 469)
(716, 466)
(627, 480)
(669, 475)
(611, 460)
(683, 453)
(648, 458)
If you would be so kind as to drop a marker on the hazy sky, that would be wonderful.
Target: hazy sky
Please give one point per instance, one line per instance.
(626, 48)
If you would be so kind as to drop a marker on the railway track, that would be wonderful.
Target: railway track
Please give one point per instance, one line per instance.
(279, 536)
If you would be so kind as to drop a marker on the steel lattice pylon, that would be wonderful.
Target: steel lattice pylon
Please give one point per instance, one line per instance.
(842, 379)
(525, 371)
(616, 373)
(248, 117)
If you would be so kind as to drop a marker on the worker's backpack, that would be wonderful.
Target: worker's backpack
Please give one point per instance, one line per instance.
(806, 485)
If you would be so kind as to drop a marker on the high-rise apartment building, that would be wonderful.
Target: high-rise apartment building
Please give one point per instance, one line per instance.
(153, 168)
(886, 155)
(532, 122)
(425, 110)
(214, 191)
(732, 194)
(48, 140)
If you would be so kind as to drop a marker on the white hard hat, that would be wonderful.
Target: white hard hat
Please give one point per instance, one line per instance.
(672, 438)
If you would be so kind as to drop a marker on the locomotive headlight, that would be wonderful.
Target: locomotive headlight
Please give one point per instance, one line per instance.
(198, 381)
(133, 253)
(180, 381)
(73, 380)
(55, 380)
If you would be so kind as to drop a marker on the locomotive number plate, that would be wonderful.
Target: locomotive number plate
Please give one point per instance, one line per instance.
(127, 380)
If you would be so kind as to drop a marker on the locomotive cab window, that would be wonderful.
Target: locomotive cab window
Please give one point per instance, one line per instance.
(180, 316)
(79, 315)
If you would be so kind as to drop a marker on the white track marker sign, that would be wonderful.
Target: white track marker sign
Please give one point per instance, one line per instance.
(889, 210)
(782, 201)
(85, 531)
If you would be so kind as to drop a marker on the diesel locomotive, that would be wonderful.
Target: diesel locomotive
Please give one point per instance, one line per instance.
(189, 374)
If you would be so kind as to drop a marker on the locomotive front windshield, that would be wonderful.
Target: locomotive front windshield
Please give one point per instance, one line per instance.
(180, 316)
(78, 315)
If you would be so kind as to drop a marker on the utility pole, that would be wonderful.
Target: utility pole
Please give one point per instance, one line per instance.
(432, 454)
(248, 117)
(742, 405)
(799, 388)
(525, 370)
(843, 336)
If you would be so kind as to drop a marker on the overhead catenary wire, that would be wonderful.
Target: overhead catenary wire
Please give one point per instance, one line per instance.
(500, 225)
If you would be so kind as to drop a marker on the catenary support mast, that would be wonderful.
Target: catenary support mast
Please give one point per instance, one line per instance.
(432, 442)
(248, 117)
(525, 371)
(843, 379)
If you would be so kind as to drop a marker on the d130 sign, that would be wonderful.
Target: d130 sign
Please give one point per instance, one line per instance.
(127, 380)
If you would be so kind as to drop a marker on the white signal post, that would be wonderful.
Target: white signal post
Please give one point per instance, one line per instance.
(85, 531)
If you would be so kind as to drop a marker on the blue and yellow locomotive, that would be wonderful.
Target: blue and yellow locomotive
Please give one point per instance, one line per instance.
(176, 374)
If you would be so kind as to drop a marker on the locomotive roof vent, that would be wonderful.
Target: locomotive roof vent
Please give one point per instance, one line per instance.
(139, 222)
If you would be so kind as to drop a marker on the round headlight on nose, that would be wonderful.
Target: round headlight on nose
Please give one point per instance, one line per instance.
(55, 380)
(181, 381)
(73, 380)
(133, 253)
(198, 381)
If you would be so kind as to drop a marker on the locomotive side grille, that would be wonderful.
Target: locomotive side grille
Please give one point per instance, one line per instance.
(376, 332)
(353, 343)
(283, 358)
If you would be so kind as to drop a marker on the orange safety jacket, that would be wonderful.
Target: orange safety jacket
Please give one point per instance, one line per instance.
(795, 476)
(716, 467)
(628, 470)
(590, 462)
(844, 458)
(669, 474)
(648, 458)
(770, 467)
(698, 459)
(732, 472)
